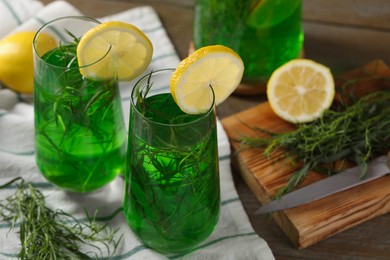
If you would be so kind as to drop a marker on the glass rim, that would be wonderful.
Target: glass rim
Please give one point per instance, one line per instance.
(133, 105)
(74, 17)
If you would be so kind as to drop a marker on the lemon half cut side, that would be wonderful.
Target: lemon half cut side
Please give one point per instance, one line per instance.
(300, 90)
(214, 66)
(114, 50)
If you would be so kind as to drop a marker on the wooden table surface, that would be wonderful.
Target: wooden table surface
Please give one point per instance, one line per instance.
(341, 34)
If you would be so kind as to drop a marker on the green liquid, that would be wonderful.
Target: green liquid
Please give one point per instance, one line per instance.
(172, 183)
(79, 130)
(262, 49)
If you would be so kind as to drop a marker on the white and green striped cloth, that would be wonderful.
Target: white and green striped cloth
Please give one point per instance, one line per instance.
(14, 13)
(234, 237)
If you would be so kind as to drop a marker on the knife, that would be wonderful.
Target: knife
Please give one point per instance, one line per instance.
(330, 185)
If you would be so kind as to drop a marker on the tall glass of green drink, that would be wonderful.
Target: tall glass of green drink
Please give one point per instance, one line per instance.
(80, 136)
(265, 33)
(172, 196)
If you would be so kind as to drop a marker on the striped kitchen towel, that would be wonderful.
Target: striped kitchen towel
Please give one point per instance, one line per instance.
(233, 238)
(14, 13)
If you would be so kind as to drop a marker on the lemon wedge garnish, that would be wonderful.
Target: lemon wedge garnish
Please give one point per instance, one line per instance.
(213, 66)
(300, 90)
(114, 50)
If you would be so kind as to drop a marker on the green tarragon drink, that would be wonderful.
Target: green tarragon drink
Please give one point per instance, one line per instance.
(265, 33)
(172, 195)
(79, 130)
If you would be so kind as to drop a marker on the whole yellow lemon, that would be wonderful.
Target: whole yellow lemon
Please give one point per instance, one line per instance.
(16, 59)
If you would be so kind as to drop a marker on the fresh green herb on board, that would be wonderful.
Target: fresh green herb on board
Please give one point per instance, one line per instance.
(355, 133)
(48, 234)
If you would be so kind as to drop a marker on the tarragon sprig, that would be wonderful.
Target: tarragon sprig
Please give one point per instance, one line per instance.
(355, 134)
(53, 234)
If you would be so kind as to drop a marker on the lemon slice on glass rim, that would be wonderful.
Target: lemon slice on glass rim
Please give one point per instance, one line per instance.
(114, 49)
(300, 90)
(215, 66)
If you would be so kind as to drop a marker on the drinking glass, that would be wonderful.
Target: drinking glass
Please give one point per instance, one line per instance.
(80, 136)
(172, 194)
(265, 33)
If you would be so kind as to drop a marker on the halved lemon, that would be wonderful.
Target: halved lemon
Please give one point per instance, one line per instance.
(114, 49)
(217, 67)
(300, 90)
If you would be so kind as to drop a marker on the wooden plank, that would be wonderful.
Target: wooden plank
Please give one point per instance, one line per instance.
(337, 47)
(372, 14)
(310, 223)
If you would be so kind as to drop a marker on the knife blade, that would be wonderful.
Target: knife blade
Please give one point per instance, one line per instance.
(330, 185)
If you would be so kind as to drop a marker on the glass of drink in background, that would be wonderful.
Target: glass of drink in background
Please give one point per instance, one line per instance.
(172, 196)
(80, 137)
(265, 33)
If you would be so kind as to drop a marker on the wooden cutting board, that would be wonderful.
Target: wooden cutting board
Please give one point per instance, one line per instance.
(307, 224)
